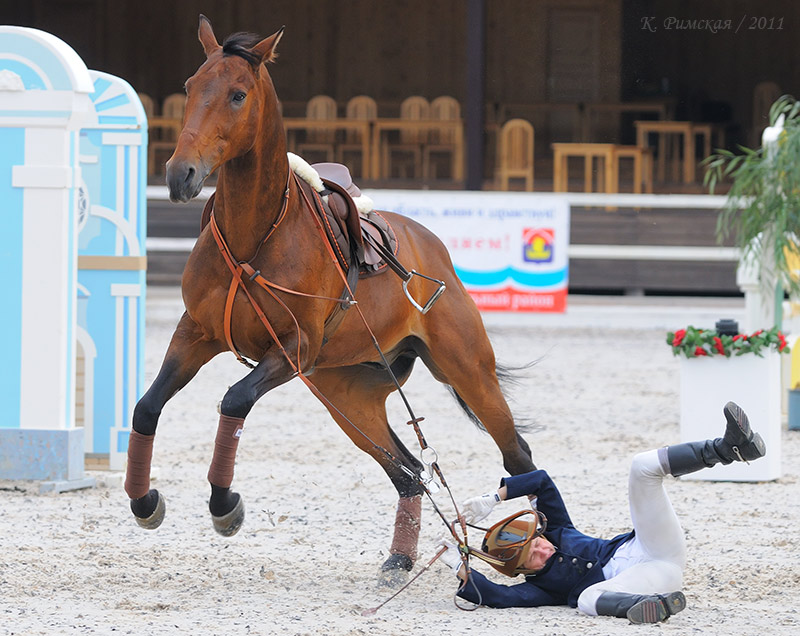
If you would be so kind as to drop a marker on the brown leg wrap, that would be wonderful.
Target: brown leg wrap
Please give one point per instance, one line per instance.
(406, 526)
(220, 473)
(140, 453)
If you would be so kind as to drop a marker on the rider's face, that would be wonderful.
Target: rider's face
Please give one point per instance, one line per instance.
(541, 550)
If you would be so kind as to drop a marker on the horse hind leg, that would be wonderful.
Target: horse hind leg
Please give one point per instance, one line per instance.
(360, 395)
(453, 364)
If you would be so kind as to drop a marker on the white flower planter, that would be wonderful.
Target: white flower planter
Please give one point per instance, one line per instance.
(754, 383)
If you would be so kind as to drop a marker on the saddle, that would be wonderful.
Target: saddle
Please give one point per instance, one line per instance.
(352, 228)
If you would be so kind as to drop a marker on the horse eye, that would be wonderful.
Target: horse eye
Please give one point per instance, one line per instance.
(238, 97)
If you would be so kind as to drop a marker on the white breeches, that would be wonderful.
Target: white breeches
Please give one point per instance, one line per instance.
(653, 561)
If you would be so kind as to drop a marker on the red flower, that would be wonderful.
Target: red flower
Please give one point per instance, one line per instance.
(699, 351)
(679, 336)
(739, 336)
(782, 341)
(757, 333)
(718, 345)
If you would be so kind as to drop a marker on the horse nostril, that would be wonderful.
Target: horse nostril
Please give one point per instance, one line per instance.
(189, 175)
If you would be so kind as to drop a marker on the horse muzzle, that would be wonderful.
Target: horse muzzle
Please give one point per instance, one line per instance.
(185, 180)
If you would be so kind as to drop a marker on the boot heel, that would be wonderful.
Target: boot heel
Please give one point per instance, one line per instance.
(759, 445)
(754, 449)
(656, 609)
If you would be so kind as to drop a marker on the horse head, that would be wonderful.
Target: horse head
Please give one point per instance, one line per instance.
(228, 101)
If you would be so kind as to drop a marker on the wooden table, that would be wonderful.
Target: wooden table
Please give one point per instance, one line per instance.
(362, 126)
(642, 166)
(688, 131)
(382, 126)
(606, 172)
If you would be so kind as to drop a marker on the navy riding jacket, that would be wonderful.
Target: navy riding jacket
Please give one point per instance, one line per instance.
(577, 563)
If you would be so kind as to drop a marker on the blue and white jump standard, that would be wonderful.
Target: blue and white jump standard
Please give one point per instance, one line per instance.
(112, 264)
(45, 93)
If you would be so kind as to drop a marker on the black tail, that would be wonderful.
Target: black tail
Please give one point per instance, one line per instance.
(507, 377)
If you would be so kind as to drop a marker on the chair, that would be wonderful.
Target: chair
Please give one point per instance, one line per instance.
(164, 130)
(515, 153)
(174, 106)
(148, 104)
(322, 142)
(765, 95)
(414, 108)
(442, 141)
(364, 108)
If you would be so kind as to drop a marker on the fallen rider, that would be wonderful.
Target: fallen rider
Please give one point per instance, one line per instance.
(637, 575)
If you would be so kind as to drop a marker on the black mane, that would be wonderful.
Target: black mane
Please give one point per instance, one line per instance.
(240, 44)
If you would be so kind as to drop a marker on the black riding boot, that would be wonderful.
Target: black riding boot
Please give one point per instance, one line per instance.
(640, 608)
(738, 444)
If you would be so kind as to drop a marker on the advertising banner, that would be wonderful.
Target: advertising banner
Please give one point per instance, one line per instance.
(508, 248)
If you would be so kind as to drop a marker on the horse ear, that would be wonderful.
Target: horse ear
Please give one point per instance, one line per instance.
(266, 48)
(206, 35)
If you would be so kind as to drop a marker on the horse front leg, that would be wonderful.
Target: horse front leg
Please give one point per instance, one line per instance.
(226, 506)
(187, 352)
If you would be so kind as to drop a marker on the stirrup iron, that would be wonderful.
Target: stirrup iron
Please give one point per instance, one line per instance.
(434, 296)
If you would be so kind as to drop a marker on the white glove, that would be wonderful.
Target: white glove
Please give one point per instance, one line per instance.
(450, 557)
(476, 509)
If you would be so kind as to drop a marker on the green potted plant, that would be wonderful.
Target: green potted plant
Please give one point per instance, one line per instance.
(696, 343)
(763, 206)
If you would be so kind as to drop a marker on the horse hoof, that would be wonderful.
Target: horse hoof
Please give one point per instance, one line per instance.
(394, 571)
(393, 579)
(228, 524)
(154, 520)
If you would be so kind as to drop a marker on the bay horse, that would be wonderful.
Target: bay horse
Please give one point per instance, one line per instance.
(232, 125)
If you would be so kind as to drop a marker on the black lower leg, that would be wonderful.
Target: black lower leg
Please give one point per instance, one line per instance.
(222, 500)
(145, 506)
(520, 460)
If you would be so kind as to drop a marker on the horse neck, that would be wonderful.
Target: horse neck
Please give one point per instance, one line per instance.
(250, 191)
